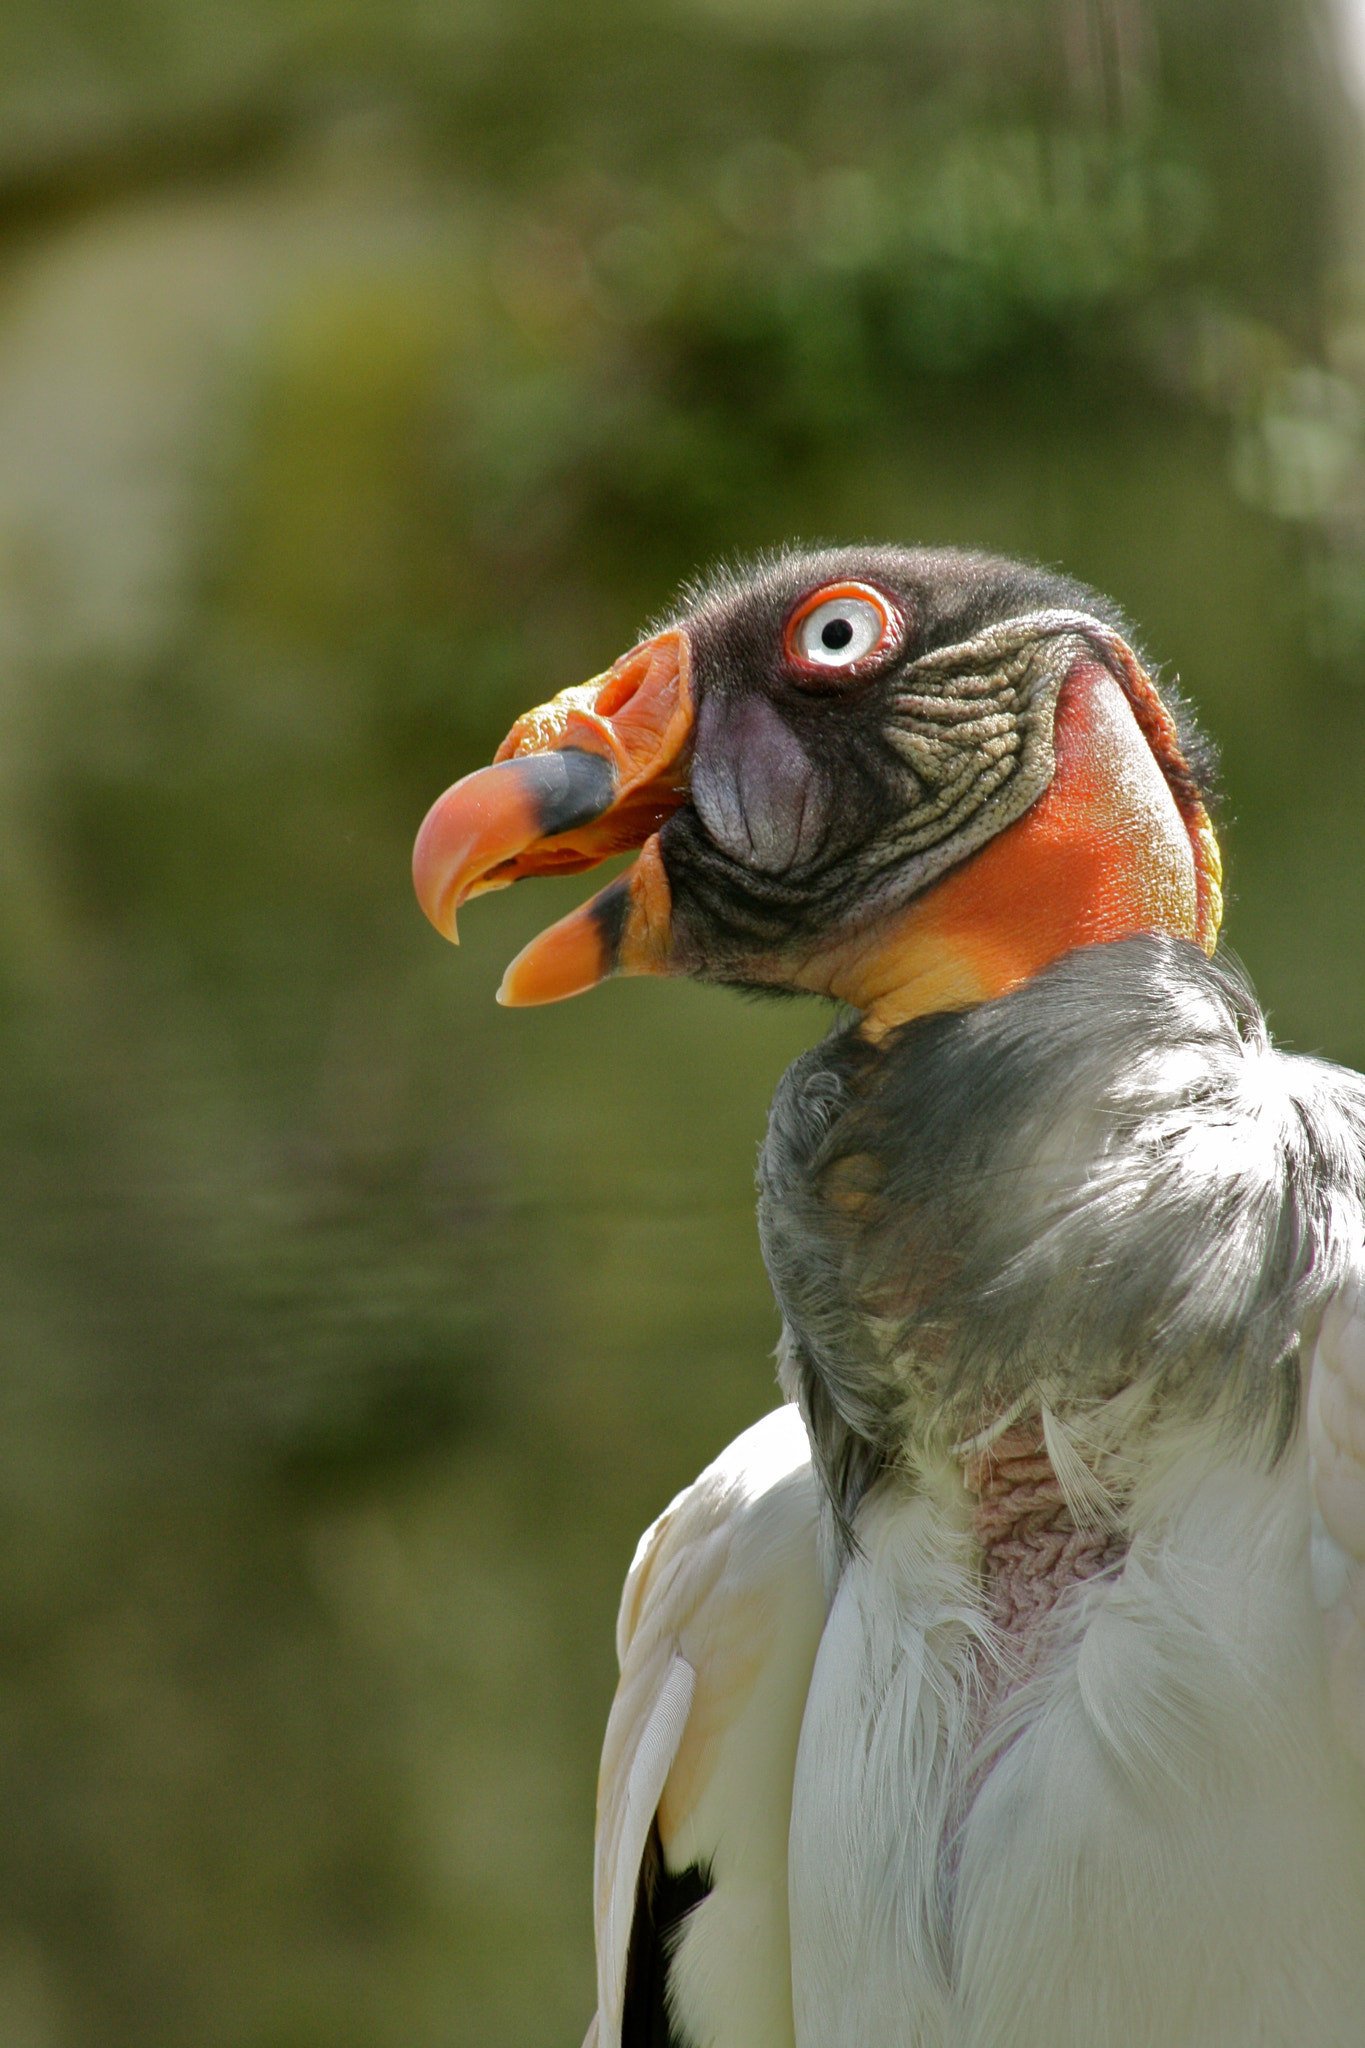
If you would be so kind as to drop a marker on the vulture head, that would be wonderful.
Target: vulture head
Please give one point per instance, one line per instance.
(907, 779)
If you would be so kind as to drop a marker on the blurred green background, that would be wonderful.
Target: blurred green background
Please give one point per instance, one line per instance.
(369, 370)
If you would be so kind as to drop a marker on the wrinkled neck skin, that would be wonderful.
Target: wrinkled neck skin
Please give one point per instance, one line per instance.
(1007, 1241)
(1102, 855)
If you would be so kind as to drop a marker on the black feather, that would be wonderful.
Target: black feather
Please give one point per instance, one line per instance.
(663, 1900)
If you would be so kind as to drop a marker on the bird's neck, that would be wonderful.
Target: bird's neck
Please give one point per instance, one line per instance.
(1022, 1203)
(1104, 854)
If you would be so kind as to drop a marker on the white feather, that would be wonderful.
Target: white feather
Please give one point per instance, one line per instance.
(649, 1768)
(718, 1628)
(1336, 1448)
(1160, 1843)
(1164, 1844)
(1088, 1499)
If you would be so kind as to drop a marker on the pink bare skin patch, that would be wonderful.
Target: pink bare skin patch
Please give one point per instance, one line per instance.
(1033, 1555)
(1032, 1550)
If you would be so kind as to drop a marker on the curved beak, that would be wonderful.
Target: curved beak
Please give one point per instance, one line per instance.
(594, 772)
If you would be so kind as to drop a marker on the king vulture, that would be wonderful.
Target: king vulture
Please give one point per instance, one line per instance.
(1005, 1687)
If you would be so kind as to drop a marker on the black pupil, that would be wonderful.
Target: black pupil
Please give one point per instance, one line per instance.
(836, 634)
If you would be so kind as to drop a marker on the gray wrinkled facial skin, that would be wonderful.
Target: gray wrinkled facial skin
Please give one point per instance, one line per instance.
(815, 811)
(1107, 1176)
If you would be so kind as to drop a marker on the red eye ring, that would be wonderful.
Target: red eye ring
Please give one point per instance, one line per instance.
(870, 618)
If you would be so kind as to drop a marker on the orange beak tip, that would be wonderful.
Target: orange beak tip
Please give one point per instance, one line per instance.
(524, 988)
(514, 994)
(444, 923)
(473, 839)
(563, 961)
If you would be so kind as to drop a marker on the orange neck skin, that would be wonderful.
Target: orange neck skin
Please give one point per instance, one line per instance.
(1104, 854)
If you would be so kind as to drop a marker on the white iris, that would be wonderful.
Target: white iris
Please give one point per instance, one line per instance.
(840, 632)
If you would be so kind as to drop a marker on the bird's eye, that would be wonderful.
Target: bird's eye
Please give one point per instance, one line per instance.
(840, 626)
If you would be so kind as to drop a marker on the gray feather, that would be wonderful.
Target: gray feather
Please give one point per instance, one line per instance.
(1108, 1176)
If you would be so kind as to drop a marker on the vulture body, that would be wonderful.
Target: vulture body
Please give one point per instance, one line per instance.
(1004, 1688)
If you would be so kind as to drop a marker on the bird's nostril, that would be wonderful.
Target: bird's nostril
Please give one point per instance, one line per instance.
(626, 683)
(618, 693)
